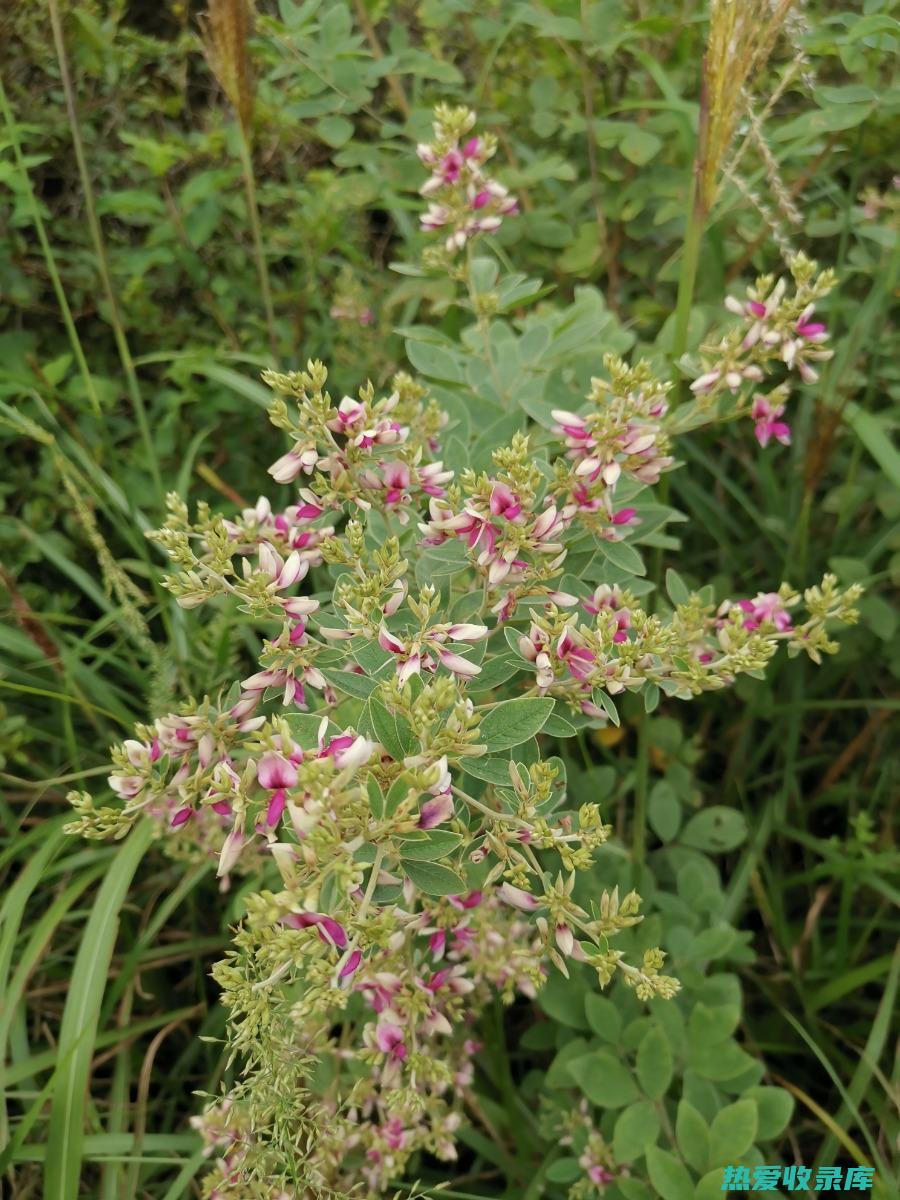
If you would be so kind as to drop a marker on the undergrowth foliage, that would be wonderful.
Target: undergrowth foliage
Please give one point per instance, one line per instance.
(447, 605)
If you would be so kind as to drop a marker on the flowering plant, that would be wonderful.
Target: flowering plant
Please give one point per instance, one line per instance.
(442, 609)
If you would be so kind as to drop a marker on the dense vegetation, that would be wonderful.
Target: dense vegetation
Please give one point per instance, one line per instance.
(187, 203)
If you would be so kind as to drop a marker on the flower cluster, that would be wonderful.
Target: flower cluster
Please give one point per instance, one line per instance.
(621, 437)
(778, 325)
(464, 201)
(377, 772)
(374, 451)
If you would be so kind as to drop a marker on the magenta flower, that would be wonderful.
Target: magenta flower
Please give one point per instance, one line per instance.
(504, 503)
(389, 1039)
(350, 966)
(767, 423)
(275, 771)
(434, 812)
(766, 606)
(517, 897)
(329, 930)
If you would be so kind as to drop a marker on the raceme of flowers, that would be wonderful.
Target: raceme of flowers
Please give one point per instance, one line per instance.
(378, 771)
(777, 325)
(464, 200)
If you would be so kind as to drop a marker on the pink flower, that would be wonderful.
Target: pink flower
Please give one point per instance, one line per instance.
(565, 939)
(457, 664)
(275, 771)
(767, 424)
(467, 633)
(451, 165)
(705, 383)
(350, 965)
(767, 606)
(577, 657)
(276, 807)
(437, 943)
(625, 516)
(504, 503)
(347, 749)
(810, 331)
(389, 1039)
(231, 850)
(600, 1175)
(329, 930)
(517, 897)
(288, 467)
(435, 811)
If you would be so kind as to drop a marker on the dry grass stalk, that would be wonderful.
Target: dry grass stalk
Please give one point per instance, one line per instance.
(742, 35)
(227, 28)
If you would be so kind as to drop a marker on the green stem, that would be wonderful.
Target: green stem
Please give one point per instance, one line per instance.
(690, 258)
(641, 783)
(698, 209)
(96, 232)
(256, 230)
(47, 252)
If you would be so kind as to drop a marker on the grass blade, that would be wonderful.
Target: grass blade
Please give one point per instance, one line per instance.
(65, 1142)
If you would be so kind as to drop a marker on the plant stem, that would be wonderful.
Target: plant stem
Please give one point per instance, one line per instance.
(696, 219)
(100, 250)
(256, 230)
(47, 252)
(641, 783)
(690, 258)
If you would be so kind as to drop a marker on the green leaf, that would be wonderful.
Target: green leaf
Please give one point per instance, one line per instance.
(437, 562)
(633, 1189)
(392, 729)
(558, 1071)
(605, 701)
(605, 1080)
(562, 1000)
(636, 1129)
(679, 592)
(774, 1107)
(305, 727)
(434, 361)
(432, 878)
(336, 131)
(623, 556)
(491, 770)
(716, 829)
(564, 1170)
(654, 1064)
(494, 672)
(376, 797)
(558, 727)
(639, 145)
(712, 1023)
(664, 811)
(512, 722)
(361, 686)
(692, 1135)
(397, 793)
(603, 1017)
(720, 1061)
(65, 1138)
(732, 1132)
(671, 1180)
(426, 847)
